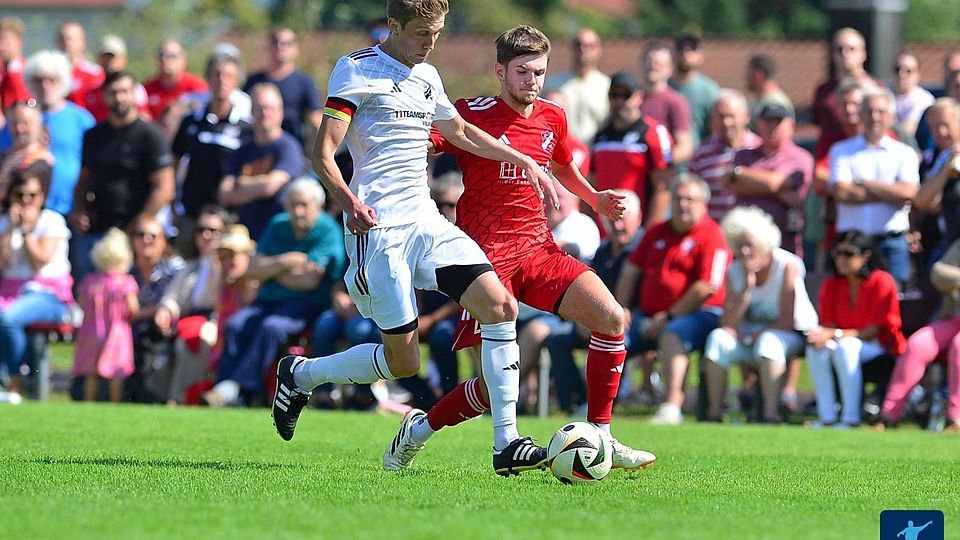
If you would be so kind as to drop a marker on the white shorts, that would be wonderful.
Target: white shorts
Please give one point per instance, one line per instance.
(388, 263)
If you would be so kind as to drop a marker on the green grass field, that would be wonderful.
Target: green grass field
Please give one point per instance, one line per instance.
(100, 471)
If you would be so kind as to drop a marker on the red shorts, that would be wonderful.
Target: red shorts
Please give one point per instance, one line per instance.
(539, 281)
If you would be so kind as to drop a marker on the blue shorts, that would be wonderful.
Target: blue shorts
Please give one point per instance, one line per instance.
(692, 330)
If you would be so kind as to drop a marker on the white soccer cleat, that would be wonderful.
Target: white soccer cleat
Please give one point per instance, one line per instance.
(403, 449)
(630, 459)
(667, 415)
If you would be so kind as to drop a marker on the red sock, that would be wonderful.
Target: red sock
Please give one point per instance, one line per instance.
(604, 367)
(460, 404)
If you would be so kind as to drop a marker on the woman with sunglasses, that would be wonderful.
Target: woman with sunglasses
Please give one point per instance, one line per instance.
(859, 321)
(188, 302)
(154, 267)
(35, 282)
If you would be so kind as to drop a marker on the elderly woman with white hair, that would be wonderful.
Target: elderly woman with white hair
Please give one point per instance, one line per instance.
(300, 255)
(48, 76)
(767, 310)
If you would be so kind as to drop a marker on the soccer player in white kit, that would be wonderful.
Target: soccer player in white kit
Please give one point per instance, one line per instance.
(383, 101)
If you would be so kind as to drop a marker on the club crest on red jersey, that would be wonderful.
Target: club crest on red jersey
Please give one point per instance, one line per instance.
(548, 140)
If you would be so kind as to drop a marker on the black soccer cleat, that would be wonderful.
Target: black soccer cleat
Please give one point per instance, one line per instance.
(519, 456)
(288, 400)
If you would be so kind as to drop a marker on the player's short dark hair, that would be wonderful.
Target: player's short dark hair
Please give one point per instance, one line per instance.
(405, 11)
(523, 40)
(114, 76)
(655, 46)
(765, 63)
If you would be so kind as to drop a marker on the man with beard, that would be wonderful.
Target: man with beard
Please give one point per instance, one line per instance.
(125, 170)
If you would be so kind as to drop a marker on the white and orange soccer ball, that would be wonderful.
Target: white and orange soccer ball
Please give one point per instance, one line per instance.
(579, 453)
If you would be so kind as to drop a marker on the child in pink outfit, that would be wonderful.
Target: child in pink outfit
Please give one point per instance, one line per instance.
(104, 343)
(940, 339)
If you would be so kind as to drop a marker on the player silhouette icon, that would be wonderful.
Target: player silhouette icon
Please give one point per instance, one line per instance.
(910, 532)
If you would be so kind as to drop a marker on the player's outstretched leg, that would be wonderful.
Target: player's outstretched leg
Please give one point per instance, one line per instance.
(404, 447)
(288, 399)
(459, 405)
(298, 376)
(590, 303)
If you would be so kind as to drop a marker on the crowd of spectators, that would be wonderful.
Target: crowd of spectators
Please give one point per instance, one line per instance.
(180, 218)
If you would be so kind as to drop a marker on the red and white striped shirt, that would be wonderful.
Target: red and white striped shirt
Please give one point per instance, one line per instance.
(714, 159)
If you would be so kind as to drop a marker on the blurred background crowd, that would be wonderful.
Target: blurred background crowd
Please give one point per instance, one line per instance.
(172, 225)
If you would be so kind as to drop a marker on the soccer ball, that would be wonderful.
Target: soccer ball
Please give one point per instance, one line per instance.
(579, 453)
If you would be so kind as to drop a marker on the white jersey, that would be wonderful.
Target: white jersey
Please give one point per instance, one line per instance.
(390, 108)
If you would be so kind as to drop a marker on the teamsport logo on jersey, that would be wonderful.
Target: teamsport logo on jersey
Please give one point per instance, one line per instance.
(547, 141)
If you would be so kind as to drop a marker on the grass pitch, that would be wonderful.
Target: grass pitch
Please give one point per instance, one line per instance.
(100, 471)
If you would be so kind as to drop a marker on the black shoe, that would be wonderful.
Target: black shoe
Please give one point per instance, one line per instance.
(519, 456)
(288, 401)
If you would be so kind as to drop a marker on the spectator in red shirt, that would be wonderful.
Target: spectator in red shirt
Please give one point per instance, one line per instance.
(859, 321)
(12, 87)
(632, 151)
(87, 75)
(112, 57)
(172, 80)
(672, 285)
(665, 104)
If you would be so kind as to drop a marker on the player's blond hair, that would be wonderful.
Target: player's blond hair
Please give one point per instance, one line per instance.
(405, 11)
(112, 253)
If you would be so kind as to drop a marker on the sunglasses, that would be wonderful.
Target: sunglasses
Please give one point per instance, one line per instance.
(619, 95)
(846, 253)
(24, 195)
(215, 231)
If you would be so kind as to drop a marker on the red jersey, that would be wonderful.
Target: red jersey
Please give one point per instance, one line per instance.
(94, 103)
(160, 97)
(12, 86)
(877, 304)
(86, 76)
(624, 159)
(499, 209)
(671, 262)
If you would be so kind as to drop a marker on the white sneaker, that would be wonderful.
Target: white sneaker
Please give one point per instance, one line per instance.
(667, 415)
(13, 398)
(403, 449)
(630, 459)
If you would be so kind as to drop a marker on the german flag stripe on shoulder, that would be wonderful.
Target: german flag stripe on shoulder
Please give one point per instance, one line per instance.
(339, 108)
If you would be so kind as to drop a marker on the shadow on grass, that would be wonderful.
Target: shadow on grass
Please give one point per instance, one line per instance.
(164, 463)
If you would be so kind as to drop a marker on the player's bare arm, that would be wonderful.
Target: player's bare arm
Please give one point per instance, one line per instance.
(470, 138)
(360, 217)
(608, 202)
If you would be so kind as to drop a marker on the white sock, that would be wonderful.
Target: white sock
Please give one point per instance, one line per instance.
(420, 431)
(363, 363)
(227, 389)
(605, 428)
(500, 360)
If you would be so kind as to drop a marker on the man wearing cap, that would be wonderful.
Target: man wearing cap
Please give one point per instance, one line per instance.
(761, 69)
(699, 90)
(775, 176)
(582, 85)
(172, 80)
(663, 103)
(632, 151)
(874, 178)
(112, 56)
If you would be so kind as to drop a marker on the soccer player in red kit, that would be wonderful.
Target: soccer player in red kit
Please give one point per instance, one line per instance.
(504, 215)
